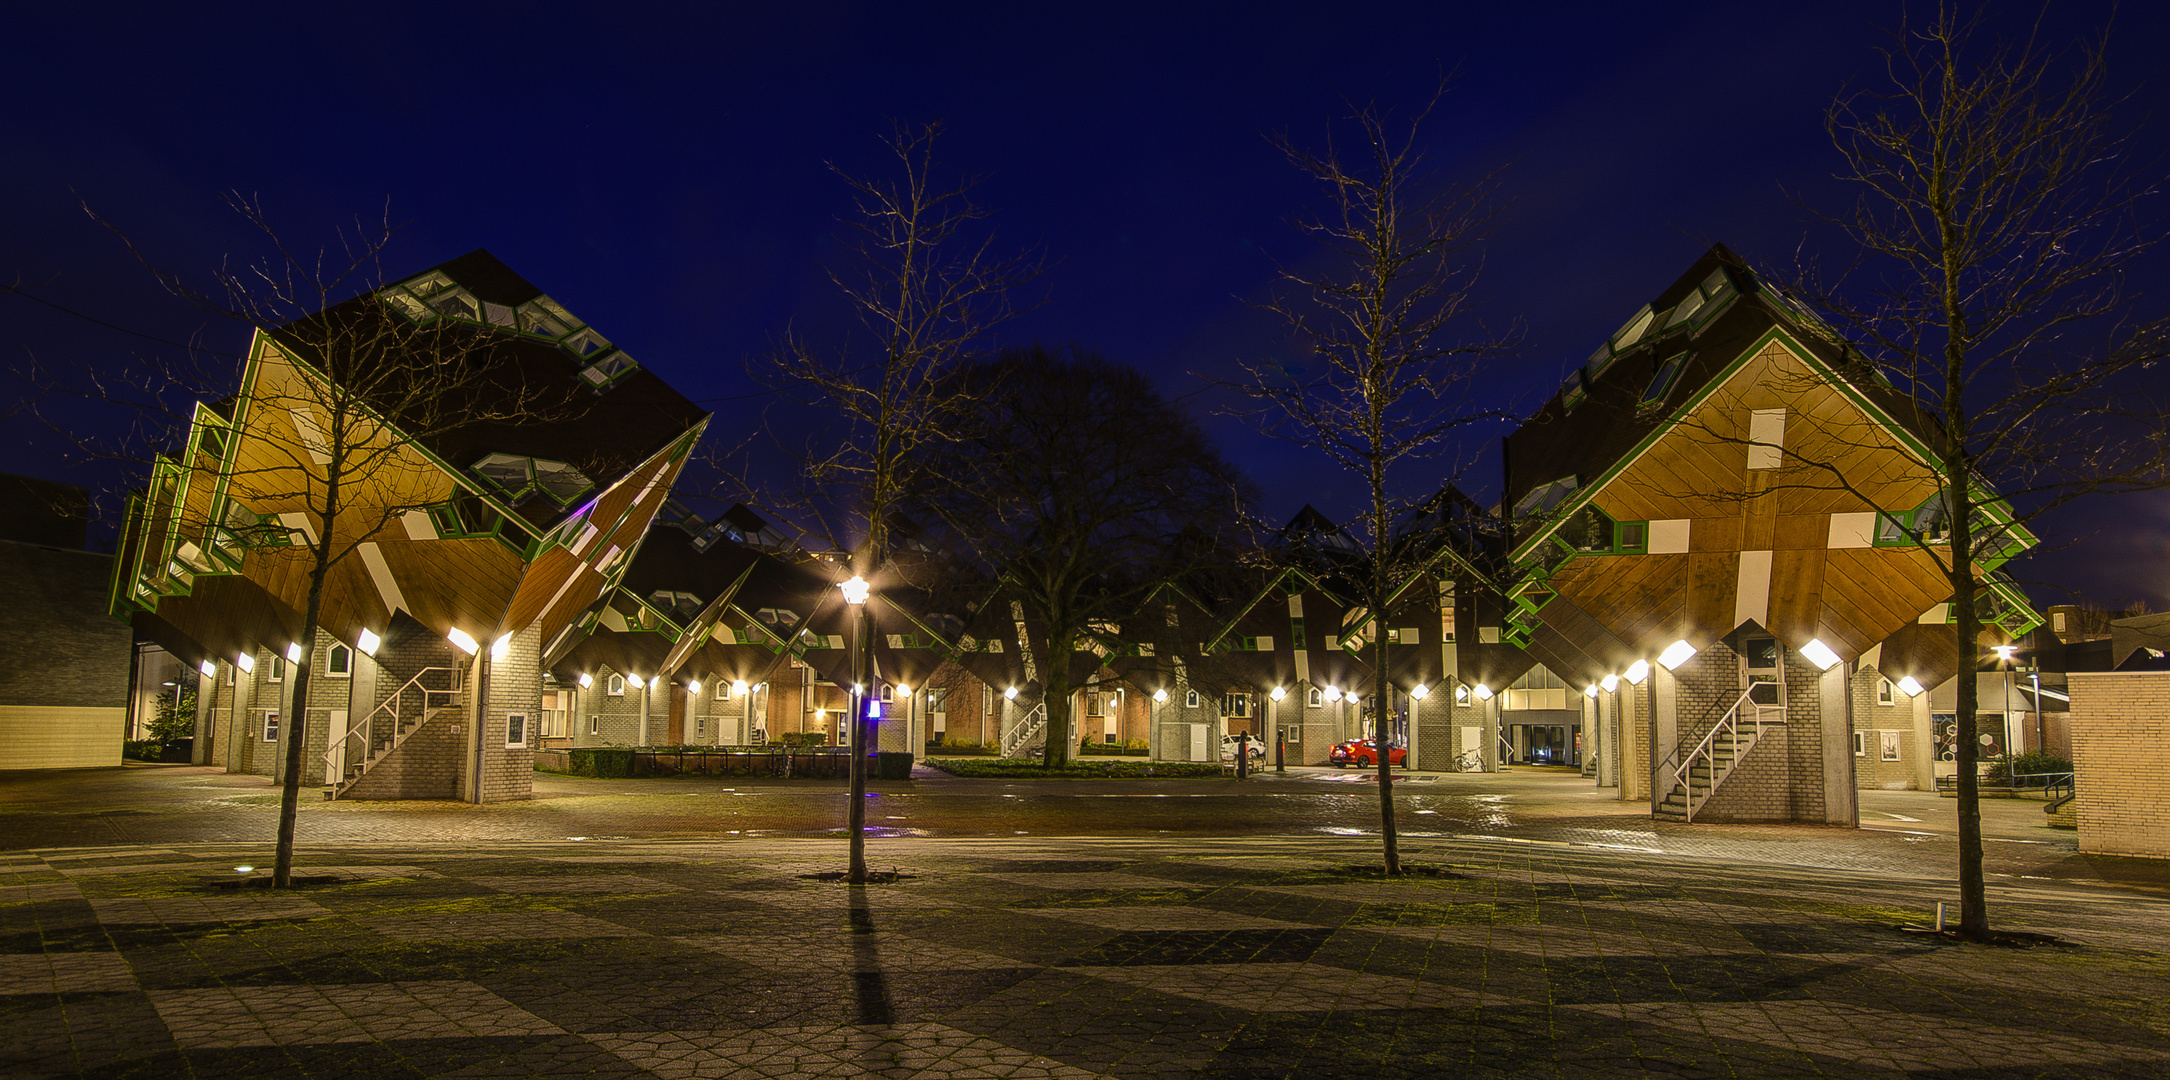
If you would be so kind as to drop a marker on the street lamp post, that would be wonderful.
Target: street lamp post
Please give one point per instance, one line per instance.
(855, 596)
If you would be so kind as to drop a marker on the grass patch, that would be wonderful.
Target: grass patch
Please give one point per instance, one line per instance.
(1478, 914)
(1012, 769)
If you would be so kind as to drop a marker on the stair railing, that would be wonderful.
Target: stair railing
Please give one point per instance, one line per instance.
(338, 763)
(1032, 723)
(1727, 726)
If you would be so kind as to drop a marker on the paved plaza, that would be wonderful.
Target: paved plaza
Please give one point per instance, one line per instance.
(1024, 956)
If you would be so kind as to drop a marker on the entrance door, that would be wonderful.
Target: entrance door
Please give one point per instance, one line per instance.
(336, 731)
(1198, 743)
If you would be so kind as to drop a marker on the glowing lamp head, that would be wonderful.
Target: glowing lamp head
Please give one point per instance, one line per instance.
(1676, 654)
(1909, 686)
(1638, 671)
(904, 690)
(1819, 654)
(738, 687)
(1483, 692)
(2005, 652)
(1160, 695)
(1277, 693)
(1010, 694)
(245, 662)
(293, 653)
(368, 642)
(693, 686)
(210, 669)
(1610, 683)
(1420, 691)
(1590, 690)
(655, 682)
(1331, 693)
(855, 590)
(464, 640)
(500, 647)
(586, 680)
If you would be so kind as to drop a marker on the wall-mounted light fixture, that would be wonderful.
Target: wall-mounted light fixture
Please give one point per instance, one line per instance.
(245, 662)
(464, 640)
(1676, 654)
(500, 647)
(738, 687)
(693, 686)
(1590, 690)
(1610, 683)
(1420, 691)
(1909, 686)
(1819, 654)
(1331, 693)
(1483, 692)
(1638, 671)
(1010, 694)
(586, 680)
(368, 642)
(1160, 695)
(293, 652)
(1277, 693)
(210, 669)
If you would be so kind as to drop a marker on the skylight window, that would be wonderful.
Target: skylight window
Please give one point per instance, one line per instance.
(609, 369)
(1691, 304)
(1572, 392)
(1634, 330)
(457, 303)
(1661, 384)
(587, 343)
(519, 476)
(1544, 497)
(543, 316)
(560, 481)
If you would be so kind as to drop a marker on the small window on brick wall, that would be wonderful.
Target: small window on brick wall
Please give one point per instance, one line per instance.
(516, 729)
(614, 686)
(595, 725)
(271, 727)
(338, 662)
(1861, 744)
(1883, 692)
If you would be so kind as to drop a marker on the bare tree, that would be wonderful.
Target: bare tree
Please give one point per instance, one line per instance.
(927, 289)
(1995, 210)
(341, 394)
(1081, 490)
(1382, 318)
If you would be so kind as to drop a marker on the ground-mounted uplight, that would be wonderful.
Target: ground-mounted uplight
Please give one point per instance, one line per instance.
(500, 647)
(464, 640)
(1676, 654)
(1010, 694)
(1610, 683)
(586, 680)
(368, 643)
(1277, 693)
(293, 652)
(1420, 691)
(1638, 671)
(1483, 692)
(245, 662)
(1909, 686)
(1160, 696)
(244, 869)
(1819, 654)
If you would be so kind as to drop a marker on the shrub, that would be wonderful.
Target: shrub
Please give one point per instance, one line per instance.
(142, 749)
(804, 738)
(2033, 762)
(601, 762)
(175, 717)
(962, 748)
(1011, 769)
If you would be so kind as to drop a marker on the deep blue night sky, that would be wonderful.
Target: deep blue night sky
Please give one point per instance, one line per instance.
(659, 169)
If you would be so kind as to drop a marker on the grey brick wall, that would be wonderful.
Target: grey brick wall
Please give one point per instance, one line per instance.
(57, 644)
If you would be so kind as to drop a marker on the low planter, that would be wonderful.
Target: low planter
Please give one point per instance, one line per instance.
(1015, 769)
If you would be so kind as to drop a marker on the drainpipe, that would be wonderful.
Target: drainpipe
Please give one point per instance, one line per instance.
(481, 715)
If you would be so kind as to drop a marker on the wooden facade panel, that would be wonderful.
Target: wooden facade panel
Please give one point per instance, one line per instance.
(538, 586)
(1796, 605)
(1887, 588)
(1713, 579)
(1799, 532)
(1715, 534)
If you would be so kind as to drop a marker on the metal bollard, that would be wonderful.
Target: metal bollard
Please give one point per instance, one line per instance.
(1280, 751)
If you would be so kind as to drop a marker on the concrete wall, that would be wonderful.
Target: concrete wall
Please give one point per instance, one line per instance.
(2120, 725)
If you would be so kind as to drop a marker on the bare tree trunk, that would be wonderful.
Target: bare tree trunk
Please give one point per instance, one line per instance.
(1055, 697)
(1381, 689)
(296, 730)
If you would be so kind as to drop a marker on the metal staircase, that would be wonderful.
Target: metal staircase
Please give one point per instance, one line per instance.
(1032, 725)
(1689, 780)
(402, 714)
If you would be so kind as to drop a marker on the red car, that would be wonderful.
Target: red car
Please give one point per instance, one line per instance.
(1365, 752)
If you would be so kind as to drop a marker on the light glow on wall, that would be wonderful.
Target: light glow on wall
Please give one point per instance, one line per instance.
(500, 647)
(1819, 654)
(464, 640)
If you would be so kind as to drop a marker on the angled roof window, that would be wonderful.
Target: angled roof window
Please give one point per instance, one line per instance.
(544, 317)
(409, 305)
(1572, 392)
(586, 343)
(519, 476)
(496, 314)
(1661, 384)
(1634, 330)
(560, 481)
(510, 472)
(1542, 498)
(457, 303)
(1686, 309)
(609, 369)
(1596, 365)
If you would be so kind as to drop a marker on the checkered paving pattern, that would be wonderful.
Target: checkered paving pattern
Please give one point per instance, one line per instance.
(1048, 959)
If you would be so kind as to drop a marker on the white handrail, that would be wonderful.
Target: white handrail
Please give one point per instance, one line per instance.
(1033, 721)
(334, 755)
(1729, 723)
